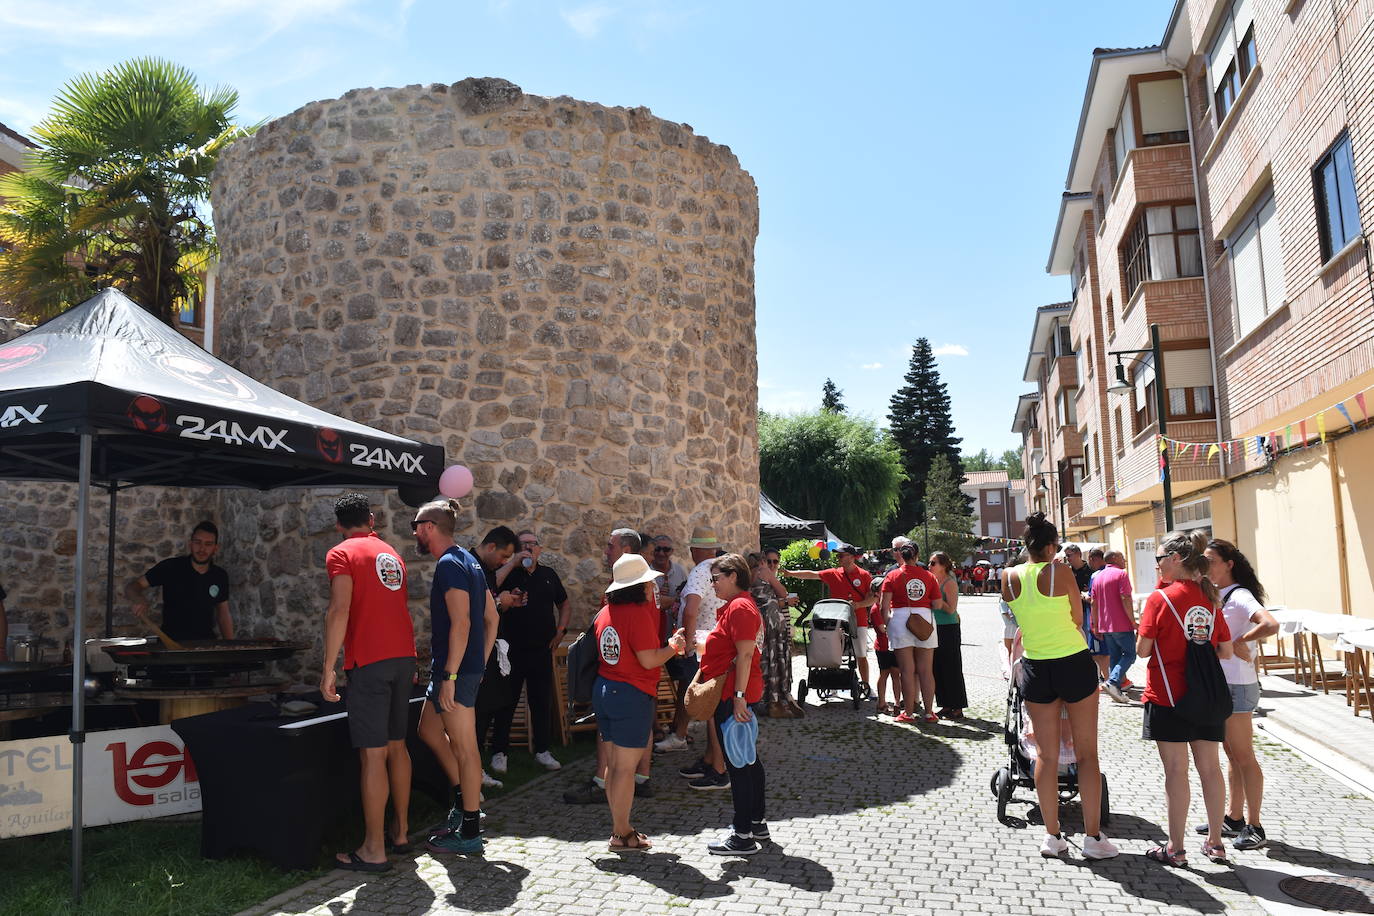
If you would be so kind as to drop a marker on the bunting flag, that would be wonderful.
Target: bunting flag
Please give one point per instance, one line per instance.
(1259, 445)
(1163, 445)
(1179, 447)
(1288, 436)
(1321, 425)
(1359, 399)
(1212, 450)
(1302, 425)
(1163, 466)
(1345, 413)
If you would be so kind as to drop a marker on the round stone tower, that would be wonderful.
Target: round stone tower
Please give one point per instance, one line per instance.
(559, 292)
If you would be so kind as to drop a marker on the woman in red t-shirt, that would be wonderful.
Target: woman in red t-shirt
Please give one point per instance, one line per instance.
(732, 649)
(1188, 600)
(628, 639)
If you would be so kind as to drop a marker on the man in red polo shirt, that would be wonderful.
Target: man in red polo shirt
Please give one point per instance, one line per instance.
(368, 617)
(848, 582)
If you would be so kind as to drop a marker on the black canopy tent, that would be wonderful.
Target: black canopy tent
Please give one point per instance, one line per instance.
(106, 395)
(779, 528)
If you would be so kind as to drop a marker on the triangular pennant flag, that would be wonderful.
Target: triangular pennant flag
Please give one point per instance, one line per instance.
(1163, 445)
(1212, 450)
(1259, 445)
(1359, 399)
(1302, 429)
(1197, 450)
(1179, 446)
(1321, 425)
(1345, 413)
(1288, 436)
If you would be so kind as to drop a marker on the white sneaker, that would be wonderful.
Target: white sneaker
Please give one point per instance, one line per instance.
(671, 743)
(1099, 848)
(1053, 846)
(1115, 692)
(489, 782)
(545, 760)
(498, 763)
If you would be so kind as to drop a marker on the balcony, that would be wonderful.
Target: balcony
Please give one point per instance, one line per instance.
(1137, 471)
(1063, 374)
(1178, 306)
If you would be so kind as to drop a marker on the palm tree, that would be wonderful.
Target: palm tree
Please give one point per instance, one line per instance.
(113, 195)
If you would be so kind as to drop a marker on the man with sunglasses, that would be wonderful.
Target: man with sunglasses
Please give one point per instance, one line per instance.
(532, 629)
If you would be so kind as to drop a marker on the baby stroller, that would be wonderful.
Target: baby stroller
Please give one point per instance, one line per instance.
(1020, 738)
(828, 631)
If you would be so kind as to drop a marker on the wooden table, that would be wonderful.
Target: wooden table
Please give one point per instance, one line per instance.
(196, 701)
(1357, 647)
(1317, 626)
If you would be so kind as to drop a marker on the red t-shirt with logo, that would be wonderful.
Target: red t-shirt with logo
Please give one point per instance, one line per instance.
(739, 619)
(621, 630)
(911, 586)
(1171, 646)
(378, 617)
(979, 573)
(849, 586)
(880, 643)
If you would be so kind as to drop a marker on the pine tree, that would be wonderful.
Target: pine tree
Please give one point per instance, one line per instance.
(831, 398)
(919, 421)
(948, 524)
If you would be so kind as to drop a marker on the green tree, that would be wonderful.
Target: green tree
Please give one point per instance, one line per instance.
(920, 424)
(831, 398)
(830, 466)
(948, 525)
(1011, 462)
(112, 197)
(983, 461)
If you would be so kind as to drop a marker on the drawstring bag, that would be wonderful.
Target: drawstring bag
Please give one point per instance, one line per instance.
(1207, 701)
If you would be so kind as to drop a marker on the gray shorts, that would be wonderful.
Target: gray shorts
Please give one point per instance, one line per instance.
(378, 701)
(1244, 697)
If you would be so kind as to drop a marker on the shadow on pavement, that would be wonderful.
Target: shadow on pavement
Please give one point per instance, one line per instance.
(666, 871)
(776, 866)
(1141, 878)
(383, 890)
(479, 884)
(1311, 858)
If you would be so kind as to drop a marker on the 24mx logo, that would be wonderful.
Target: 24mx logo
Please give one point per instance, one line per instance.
(232, 433)
(14, 416)
(385, 459)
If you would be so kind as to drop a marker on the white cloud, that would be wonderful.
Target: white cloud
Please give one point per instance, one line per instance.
(587, 20)
(871, 366)
(77, 22)
(776, 400)
(950, 350)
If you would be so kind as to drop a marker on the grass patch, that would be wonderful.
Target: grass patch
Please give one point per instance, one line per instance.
(145, 868)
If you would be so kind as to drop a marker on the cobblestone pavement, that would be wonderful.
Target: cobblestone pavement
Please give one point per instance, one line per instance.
(867, 816)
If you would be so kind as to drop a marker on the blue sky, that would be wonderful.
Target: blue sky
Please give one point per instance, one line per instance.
(909, 155)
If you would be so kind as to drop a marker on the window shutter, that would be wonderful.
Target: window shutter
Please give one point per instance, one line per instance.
(1161, 106)
(1187, 369)
(1271, 257)
(1242, 14)
(1247, 281)
(1223, 49)
(1143, 375)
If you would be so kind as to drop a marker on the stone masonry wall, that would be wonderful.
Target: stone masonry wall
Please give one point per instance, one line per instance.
(559, 292)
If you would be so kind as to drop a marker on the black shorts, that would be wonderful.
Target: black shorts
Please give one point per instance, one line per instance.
(1163, 724)
(378, 701)
(886, 659)
(682, 668)
(1071, 678)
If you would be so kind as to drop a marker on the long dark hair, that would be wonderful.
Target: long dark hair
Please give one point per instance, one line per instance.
(630, 594)
(1241, 570)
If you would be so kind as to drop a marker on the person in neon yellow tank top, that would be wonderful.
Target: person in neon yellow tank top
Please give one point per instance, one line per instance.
(1056, 673)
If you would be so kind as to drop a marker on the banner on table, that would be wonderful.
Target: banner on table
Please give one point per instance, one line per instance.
(130, 774)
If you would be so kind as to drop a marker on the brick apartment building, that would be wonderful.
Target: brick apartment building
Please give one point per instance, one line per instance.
(1214, 190)
(999, 508)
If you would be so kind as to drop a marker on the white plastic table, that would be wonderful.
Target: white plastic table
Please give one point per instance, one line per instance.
(1357, 645)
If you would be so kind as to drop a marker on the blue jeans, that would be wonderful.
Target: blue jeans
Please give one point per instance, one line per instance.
(1120, 655)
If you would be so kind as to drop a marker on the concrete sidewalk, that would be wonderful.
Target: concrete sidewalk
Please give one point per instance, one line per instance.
(1320, 726)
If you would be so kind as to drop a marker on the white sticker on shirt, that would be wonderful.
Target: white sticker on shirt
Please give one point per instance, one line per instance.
(214, 591)
(610, 646)
(857, 583)
(1199, 623)
(389, 571)
(915, 589)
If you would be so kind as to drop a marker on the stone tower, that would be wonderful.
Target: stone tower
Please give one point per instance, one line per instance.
(559, 292)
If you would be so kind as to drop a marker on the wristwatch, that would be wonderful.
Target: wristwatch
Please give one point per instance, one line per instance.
(739, 694)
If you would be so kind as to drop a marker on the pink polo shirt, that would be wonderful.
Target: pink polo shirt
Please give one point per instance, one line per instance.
(1110, 588)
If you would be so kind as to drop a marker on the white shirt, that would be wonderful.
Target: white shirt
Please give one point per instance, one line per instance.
(699, 583)
(1239, 610)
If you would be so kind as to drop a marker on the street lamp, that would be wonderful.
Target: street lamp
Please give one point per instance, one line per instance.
(1120, 386)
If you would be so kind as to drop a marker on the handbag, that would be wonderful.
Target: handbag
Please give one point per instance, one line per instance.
(919, 626)
(703, 696)
(1207, 701)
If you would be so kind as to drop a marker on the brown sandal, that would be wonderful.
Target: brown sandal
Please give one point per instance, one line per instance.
(634, 841)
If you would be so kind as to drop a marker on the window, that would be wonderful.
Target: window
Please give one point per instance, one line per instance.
(1162, 245)
(1257, 281)
(1120, 439)
(1338, 212)
(1099, 210)
(1194, 403)
(1079, 357)
(996, 530)
(1071, 477)
(1161, 117)
(994, 497)
(1087, 454)
(1143, 394)
(1193, 515)
(1232, 56)
(1064, 409)
(1111, 316)
(191, 311)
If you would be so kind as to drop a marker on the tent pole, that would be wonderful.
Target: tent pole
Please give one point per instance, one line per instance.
(78, 732)
(110, 562)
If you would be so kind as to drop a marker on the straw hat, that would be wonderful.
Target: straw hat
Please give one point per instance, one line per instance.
(631, 569)
(703, 537)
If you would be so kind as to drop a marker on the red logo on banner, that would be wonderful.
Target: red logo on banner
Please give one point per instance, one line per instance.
(330, 445)
(16, 355)
(140, 771)
(147, 414)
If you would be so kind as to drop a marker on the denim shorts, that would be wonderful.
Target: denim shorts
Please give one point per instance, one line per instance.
(1244, 697)
(681, 668)
(624, 713)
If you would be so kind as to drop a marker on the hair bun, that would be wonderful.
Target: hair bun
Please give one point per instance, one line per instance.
(1036, 520)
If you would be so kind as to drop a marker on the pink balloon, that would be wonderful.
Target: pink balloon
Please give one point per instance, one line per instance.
(455, 482)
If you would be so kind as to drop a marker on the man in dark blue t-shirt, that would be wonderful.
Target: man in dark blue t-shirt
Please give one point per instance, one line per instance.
(463, 627)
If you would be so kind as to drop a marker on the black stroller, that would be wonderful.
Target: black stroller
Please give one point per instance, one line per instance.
(828, 630)
(1020, 770)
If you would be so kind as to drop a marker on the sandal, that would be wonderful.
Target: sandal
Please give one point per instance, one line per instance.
(354, 862)
(634, 841)
(1162, 855)
(1214, 853)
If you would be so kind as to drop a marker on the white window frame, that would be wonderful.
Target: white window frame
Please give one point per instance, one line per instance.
(1272, 280)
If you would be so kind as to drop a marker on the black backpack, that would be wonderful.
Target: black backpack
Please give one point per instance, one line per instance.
(584, 660)
(1207, 701)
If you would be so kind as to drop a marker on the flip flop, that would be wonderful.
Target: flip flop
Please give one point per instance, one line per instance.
(640, 842)
(355, 863)
(401, 848)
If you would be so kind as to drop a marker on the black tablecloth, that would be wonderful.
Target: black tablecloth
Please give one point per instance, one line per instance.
(273, 784)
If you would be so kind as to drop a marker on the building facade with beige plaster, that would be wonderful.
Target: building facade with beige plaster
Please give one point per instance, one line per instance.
(1219, 188)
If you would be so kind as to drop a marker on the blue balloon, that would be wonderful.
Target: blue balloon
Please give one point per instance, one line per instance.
(833, 545)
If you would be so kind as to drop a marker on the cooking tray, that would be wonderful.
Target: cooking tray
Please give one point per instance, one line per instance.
(206, 651)
(29, 671)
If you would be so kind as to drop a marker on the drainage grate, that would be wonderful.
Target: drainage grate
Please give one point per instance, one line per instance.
(1332, 892)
